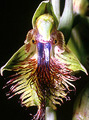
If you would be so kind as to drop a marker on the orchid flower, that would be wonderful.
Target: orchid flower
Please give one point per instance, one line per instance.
(44, 66)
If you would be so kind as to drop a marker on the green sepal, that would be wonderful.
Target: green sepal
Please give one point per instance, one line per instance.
(19, 56)
(44, 7)
(71, 61)
(66, 21)
(56, 8)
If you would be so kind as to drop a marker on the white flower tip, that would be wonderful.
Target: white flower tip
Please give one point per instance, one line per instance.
(84, 69)
(1, 70)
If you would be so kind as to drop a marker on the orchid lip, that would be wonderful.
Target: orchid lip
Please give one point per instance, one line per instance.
(43, 53)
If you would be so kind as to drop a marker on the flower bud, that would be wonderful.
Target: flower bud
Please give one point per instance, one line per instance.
(81, 106)
(80, 6)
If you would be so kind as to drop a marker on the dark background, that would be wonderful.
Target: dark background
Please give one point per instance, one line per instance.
(15, 22)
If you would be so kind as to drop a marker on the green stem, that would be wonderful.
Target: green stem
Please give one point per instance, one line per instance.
(50, 114)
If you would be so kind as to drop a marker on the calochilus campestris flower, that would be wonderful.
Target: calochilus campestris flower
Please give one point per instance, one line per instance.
(44, 65)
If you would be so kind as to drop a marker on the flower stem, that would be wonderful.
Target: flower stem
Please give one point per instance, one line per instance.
(50, 114)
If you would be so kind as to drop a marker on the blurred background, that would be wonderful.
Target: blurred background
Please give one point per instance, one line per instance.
(15, 22)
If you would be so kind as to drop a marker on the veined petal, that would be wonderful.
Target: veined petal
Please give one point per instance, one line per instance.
(71, 61)
(18, 57)
(14, 60)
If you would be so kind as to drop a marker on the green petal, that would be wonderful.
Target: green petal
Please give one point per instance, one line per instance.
(66, 21)
(39, 11)
(44, 6)
(71, 61)
(56, 8)
(19, 56)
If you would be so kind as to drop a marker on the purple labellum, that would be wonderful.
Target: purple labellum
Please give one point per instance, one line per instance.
(43, 53)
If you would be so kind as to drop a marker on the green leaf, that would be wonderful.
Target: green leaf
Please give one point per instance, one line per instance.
(44, 7)
(66, 21)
